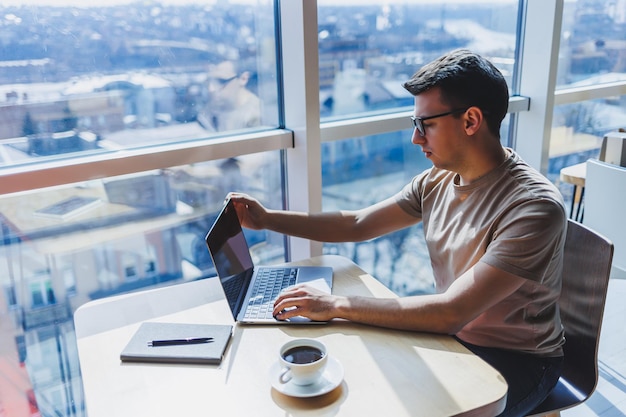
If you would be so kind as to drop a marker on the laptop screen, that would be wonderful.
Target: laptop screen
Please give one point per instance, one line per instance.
(231, 255)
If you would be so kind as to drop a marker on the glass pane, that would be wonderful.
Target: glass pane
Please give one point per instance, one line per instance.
(367, 51)
(592, 43)
(577, 132)
(88, 78)
(64, 246)
(362, 171)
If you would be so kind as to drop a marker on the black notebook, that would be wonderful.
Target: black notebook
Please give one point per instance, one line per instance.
(139, 347)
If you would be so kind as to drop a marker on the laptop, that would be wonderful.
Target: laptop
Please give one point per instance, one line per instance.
(251, 290)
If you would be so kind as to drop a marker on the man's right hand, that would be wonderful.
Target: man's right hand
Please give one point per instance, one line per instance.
(251, 212)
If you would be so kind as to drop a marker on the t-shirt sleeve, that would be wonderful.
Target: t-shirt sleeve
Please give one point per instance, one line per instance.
(527, 238)
(410, 197)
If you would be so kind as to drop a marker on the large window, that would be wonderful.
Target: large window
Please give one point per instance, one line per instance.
(124, 125)
(63, 246)
(592, 43)
(86, 78)
(367, 52)
(591, 84)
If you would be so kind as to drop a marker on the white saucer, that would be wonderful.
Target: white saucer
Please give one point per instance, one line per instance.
(331, 378)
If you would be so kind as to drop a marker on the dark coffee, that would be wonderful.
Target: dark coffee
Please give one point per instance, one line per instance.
(303, 354)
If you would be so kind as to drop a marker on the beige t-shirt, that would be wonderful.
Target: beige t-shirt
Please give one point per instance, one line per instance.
(513, 219)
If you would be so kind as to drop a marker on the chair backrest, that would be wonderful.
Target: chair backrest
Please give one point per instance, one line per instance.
(586, 271)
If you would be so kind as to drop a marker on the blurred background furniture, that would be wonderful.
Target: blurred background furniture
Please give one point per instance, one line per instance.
(605, 206)
(612, 151)
(575, 175)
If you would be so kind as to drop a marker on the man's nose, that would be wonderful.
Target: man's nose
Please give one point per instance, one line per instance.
(417, 138)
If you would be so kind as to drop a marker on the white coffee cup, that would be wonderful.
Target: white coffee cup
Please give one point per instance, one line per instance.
(303, 361)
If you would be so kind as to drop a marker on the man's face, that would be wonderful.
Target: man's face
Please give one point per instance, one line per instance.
(444, 138)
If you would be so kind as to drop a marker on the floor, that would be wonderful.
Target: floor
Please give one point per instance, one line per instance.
(609, 399)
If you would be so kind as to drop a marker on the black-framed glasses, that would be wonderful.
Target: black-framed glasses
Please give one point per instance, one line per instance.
(418, 121)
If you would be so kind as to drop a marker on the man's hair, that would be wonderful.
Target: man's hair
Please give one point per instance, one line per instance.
(465, 79)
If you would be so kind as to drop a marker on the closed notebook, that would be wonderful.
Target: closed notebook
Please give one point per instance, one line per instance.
(139, 347)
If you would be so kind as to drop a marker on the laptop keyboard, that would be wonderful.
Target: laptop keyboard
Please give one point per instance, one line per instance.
(269, 283)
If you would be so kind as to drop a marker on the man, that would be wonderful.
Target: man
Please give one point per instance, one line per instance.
(495, 230)
(231, 106)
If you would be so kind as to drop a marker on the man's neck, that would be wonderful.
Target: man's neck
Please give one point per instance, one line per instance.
(484, 162)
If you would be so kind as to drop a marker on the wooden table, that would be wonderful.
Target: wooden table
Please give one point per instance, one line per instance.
(386, 372)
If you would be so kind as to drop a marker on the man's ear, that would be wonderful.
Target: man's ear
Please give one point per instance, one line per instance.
(473, 119)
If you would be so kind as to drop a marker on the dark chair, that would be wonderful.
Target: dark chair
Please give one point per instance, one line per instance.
(586, 270)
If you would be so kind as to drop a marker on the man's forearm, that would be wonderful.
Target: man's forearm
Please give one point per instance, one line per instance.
(322, 227)
(427, 313)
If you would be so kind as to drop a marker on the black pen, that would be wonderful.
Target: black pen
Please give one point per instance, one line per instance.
(185, 341)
